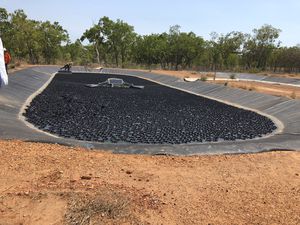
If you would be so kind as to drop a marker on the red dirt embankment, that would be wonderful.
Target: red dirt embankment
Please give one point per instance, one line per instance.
(53, 184)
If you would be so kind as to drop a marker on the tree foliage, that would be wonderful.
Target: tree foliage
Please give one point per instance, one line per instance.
(259, 47)
(35, 41)
(115, 43)
(111, 40)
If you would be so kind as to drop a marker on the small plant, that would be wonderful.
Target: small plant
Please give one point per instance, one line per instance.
(17, 64)
(293, 95)
(84, 209)
(203, 78)
(254, 70)
(232, 76)
(252, 88)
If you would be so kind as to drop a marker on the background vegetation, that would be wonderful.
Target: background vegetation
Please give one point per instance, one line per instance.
(115, 44)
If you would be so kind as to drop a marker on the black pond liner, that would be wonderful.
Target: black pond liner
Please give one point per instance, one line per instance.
(153, 115)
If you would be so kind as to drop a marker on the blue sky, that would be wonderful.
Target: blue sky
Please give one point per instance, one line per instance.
(154, 16)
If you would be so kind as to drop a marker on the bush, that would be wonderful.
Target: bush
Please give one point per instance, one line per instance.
(11, 66)
(254, 70)
(232, 76)
(293, 95)
(252, 88)
(17, 64)
(203, 78)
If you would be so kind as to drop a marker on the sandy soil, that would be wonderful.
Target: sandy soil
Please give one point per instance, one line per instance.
(192, 74)
(288, 75)
(52, 184)
(183, 74)
(180, 73)
(271, 89)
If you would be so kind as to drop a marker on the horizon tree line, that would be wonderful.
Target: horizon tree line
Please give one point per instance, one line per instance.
(116, 44)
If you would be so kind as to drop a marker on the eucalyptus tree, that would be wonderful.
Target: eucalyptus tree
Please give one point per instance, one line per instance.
(78, 53)
(4, 22)
(95, 37)
(114, 38)
(30, 39)
(231, 48)
(52, 36)
(192, 47)
(258, 48)
(225, 50)
(183, 47)
(22, 38)
(116, 42)
(118, 37)
(288, 59)
(146, 50)
(214, 52)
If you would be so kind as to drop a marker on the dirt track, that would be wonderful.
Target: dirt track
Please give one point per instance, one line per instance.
(271, 89)
(52, 184)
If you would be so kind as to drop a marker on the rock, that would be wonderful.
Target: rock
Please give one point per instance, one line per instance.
(86, 177)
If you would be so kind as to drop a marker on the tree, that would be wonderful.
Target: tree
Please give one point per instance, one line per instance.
(119, 37)
(51, 38)
(95, 36)
(77, 53)
(20, 34)
(114, 38)
(174, 48)
(146, 50)
(151, 49)
(224, 50)
(4, 23)
(258, 48)
(214, 52)
(288, 58)
(183, 47)
(115, 42)
(29, 39)
(230, 47)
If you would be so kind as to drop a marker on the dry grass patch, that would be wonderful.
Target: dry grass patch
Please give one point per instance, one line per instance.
(99, 208)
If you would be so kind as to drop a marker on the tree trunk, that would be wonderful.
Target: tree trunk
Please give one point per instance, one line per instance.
(215, 72)
(275, 68)
(31, 57)
(97, 52)
(122, 59)
(117, 59)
